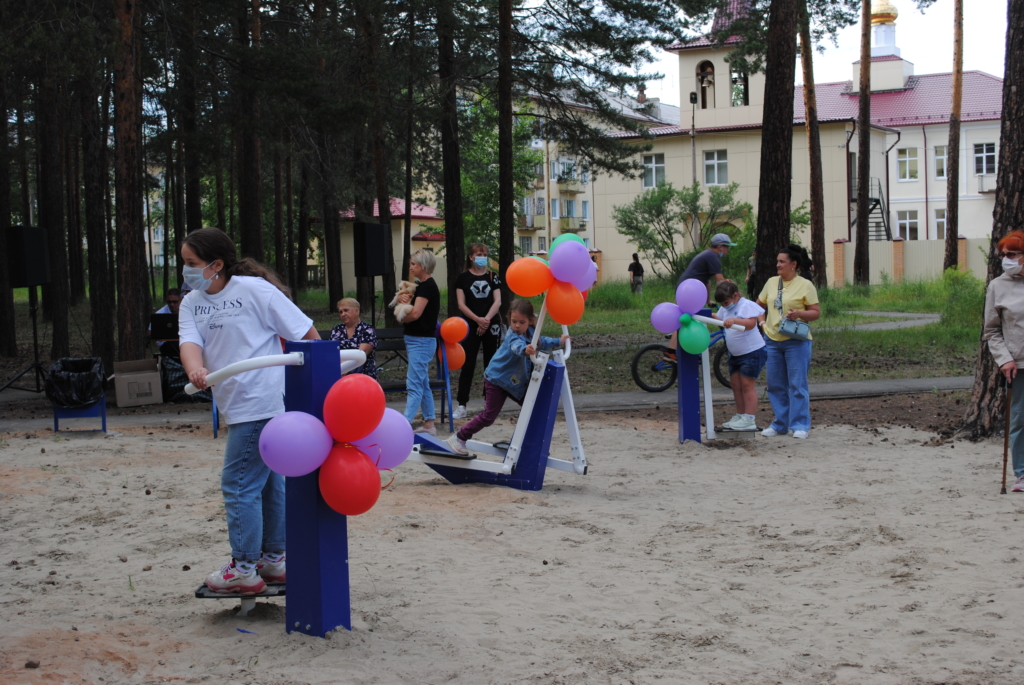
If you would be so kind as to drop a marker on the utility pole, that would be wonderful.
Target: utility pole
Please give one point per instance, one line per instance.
(693, 133)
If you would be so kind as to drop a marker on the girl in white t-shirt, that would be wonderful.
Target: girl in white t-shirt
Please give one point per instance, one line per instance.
(747, 354)
(238, 309)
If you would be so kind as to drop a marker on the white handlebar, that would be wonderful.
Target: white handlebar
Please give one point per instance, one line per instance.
(715, 322)
(350, 359)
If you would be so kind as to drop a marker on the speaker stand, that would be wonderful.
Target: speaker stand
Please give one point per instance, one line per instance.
(35, 367)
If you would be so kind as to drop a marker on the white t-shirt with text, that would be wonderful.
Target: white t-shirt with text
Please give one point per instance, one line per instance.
(742, 342)
(244, 320)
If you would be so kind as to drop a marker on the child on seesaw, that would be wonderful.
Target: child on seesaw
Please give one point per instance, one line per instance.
(747, 354)
(508, 374)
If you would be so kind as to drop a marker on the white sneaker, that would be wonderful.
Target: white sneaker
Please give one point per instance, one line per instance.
(731, 423)
(460, 412)
(800, 435)
(744, 423)
(458, 446)
(769, 432)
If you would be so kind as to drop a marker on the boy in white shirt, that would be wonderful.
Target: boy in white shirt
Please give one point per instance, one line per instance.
(747, 353)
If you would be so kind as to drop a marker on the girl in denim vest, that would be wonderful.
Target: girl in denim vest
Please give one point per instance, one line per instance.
(508, 374)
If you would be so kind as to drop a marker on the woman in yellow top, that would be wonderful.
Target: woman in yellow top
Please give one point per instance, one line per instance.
(794, 297)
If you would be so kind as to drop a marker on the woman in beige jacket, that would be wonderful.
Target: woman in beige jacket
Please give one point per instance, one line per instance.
(1004, 331)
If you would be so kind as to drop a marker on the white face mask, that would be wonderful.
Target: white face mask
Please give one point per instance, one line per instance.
(1011, 266)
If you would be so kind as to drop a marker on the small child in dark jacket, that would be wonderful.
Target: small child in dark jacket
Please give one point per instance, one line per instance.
(508, 374)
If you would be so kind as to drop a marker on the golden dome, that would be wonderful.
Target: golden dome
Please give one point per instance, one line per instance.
(883, 12)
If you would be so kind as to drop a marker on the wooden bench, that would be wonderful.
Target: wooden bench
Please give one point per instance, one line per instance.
(391, 349)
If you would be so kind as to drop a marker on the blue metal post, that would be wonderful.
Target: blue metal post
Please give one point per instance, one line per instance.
(318, 584)
(689, 391)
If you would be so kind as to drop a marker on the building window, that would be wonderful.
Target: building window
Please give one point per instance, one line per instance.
(940, 161)
(940, 224)
(542, 244)
(158, 234)
(984, 158)
(739, 89)
(525, 244)
(586, 209)
(554, 208)
(158, 259)
(716, 168)
(906, 164)
(568, 171)
(586, 243)
(526, 205)
(654, 170)
(585, 177)
(706, 84)
(538, 204)
(906, 224)
(570, 208)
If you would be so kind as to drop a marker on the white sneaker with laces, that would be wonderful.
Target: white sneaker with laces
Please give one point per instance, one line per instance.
(230, 580)
(744, 423)
(800, 435)
(1019, 485)
(731, 423)
(458, 446)
(770, 432)
(271, 571)
(460, 412)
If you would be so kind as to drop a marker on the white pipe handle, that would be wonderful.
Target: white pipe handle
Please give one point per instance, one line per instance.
(351, 359)
(568, 343)
(221, 375)
(715, 322)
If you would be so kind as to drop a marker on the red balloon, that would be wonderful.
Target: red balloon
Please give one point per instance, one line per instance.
(353, 407)
(349, 481)
(456, 356)
(586, 294)
(454, 329)
(565, 303)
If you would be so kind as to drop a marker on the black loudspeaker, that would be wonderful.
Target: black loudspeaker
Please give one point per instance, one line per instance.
(28, 256)
(370, 248)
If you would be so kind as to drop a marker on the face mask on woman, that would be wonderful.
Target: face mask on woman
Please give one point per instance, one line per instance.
(193, 276)
(481, 261)
(1011, 266)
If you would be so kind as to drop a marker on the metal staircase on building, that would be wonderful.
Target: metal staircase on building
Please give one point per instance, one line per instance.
(878, 210)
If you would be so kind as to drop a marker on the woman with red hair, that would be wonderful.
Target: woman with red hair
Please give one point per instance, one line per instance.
(1004, 331)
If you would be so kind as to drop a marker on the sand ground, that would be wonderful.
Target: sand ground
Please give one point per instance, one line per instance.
(857, 556)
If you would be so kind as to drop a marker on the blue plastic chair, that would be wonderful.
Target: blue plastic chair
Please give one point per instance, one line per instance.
(98, 410)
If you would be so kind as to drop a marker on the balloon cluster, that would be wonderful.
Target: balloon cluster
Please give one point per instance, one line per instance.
(356, 424)
(669, 318)
(453, 331)
(567, 278)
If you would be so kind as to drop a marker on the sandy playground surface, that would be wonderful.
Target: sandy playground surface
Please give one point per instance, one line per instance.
(857, 556)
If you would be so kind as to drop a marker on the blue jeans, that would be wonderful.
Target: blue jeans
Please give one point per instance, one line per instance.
(788, 363)
(1017, 424)
(417, 381)
(253, 495)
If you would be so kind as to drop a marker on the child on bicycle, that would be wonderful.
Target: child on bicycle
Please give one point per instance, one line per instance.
(508, 374)
(747, 353)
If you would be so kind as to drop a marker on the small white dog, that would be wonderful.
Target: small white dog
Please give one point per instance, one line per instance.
(402, 310)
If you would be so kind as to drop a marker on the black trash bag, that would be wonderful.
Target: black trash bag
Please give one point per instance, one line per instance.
(75, 383)
(174, 379)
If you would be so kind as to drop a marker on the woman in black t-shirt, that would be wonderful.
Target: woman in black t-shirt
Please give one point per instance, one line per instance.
(479, 294)
(421, 339)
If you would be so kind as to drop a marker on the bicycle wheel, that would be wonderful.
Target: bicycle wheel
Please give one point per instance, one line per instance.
(720, 364)
(650, 371)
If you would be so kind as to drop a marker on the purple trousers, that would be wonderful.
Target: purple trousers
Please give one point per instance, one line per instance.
(494, 400)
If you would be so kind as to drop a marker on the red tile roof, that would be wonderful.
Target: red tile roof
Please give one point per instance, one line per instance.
(397, 211)
(724, 17)
(429, 237)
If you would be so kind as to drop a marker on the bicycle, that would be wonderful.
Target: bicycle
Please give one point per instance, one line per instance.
(654, 373)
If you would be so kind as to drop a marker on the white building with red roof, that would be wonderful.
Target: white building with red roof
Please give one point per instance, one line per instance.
(909, 134)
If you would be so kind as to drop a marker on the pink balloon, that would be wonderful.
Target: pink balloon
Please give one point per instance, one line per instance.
(390, 443)
(295, 443)
(691, 296)
(665, 318)
(570, 262)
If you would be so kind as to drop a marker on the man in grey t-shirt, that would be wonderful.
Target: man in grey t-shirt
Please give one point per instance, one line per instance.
(705, 265)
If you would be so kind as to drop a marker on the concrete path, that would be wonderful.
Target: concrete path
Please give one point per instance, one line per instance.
(909, 320)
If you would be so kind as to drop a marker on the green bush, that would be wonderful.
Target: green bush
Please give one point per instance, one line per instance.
(964, 303)
(612, 295)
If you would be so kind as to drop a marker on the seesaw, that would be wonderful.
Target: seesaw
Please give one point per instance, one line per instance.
(317, 535)
(521, 462)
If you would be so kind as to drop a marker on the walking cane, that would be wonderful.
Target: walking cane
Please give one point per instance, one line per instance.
(1006, 433)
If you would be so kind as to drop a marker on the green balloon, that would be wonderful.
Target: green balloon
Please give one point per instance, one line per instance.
(564, 238)
(539, 259)
(694, 337)
(685, 319)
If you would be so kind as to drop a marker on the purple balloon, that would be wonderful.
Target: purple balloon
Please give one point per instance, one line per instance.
(295, 443)
(588, 279)
(390, 443)
(665, 318)
(691, 296)
(570, 262)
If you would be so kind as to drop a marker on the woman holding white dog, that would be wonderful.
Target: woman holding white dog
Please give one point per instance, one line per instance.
(421, 339)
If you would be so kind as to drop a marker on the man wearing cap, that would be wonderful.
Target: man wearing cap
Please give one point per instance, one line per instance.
(709, 263)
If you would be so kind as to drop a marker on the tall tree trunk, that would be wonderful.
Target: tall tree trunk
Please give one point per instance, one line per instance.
(302, 237)
(131, 305)
(332, 248)
(218, 164)
(506, 182)
(250, 206)
(455, 247)
(289, 224)
(232, 175)
(8, 340)
(952, 251)
(168, 202)
(76, 266)
(279, 256)
(817, 186)
(108, 200)
(178, 197)
(28, 214)
(984, 414)
(51, 212)
(861, 265)
(774, 193)
(192, 159)
(410, 103)
(94, 164)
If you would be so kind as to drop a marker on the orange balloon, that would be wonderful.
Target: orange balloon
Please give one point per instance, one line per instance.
(454, 329)
(353, 407)
(456, 356)
(349, 481)
(529, 277)
(565, 303)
